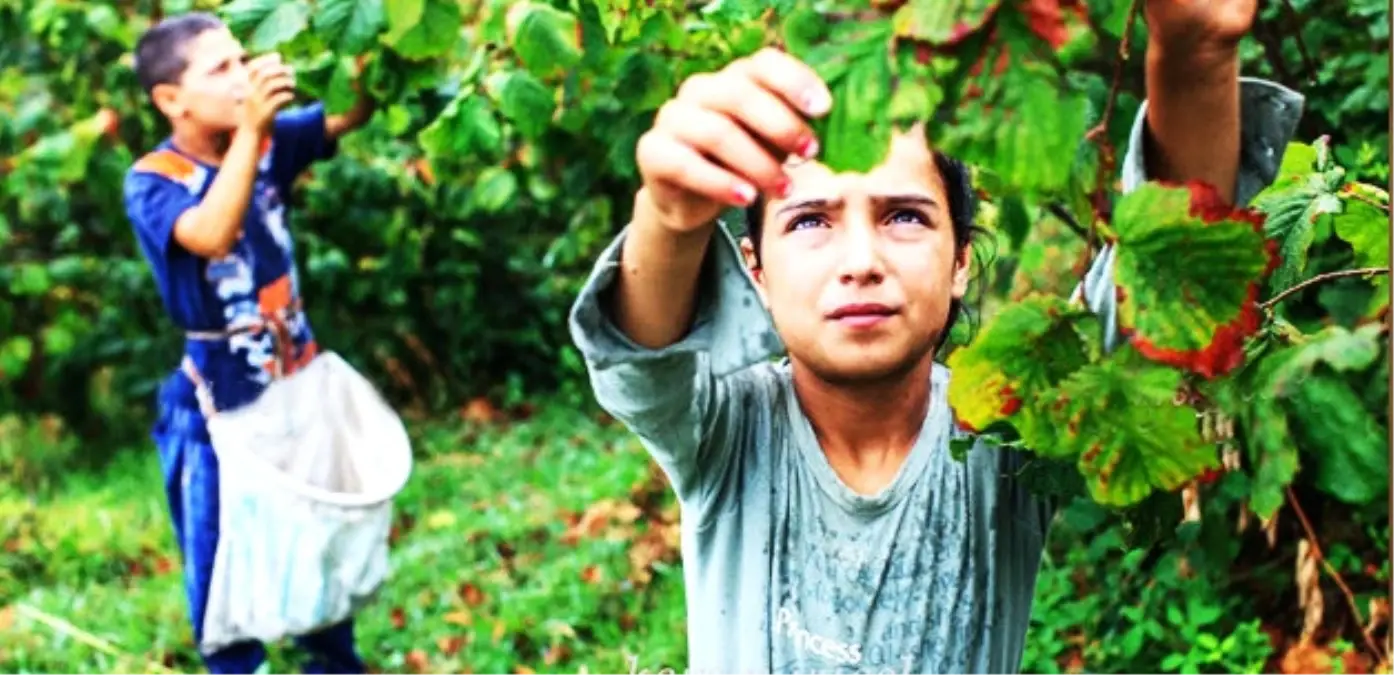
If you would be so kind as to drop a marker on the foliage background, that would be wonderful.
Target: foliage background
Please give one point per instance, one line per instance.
(440, 253)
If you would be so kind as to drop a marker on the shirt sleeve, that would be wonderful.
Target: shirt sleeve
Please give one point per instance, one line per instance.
(1269, 113)
(299, 140)
(682, 401)
(154, 203)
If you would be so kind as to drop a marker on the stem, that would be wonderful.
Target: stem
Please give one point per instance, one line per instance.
(1335, 576)
(1301, 46)
(1099, 134)
(1064, 216)
(1364, 271)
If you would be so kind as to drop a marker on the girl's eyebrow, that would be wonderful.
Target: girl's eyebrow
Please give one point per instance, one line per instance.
(904, 199)
(813, 203)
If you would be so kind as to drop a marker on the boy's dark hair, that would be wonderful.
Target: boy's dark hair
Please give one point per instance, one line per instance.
(160, 53)
(958, 186)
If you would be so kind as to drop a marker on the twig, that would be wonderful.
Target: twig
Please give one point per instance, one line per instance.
(1272, 48)
(1099, 134)
(1301, 46)
(81, 635)
(1364, 271)
(1064, 216)
(1335, 576)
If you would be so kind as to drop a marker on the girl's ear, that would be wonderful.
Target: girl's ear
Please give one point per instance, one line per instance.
(752, 264)
(962, 268)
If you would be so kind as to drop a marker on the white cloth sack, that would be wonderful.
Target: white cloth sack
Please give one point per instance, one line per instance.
(307, 474)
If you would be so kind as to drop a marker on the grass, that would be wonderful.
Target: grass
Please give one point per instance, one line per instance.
(545, 546)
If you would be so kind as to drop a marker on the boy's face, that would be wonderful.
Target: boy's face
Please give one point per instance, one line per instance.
(215, 82)
(858, 270)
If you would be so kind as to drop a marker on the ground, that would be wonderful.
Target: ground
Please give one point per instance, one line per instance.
(548, 544)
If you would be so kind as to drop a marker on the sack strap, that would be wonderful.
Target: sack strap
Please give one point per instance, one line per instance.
(277, 323)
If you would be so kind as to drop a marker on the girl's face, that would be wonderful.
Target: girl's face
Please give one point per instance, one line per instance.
(859, 270)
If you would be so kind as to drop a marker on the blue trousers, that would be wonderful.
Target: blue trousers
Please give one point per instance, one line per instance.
(190, 469)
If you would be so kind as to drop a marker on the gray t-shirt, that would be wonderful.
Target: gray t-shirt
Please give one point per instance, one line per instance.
(786, 568)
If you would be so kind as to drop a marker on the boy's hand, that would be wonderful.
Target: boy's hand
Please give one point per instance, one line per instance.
(726, 135)
(271, 87)
(1198, 29)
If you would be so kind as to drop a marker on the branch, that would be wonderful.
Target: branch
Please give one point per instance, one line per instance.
(1099, 134)
(1335, 576)
(1064, 216)
(1364, 271)
(1301, 46)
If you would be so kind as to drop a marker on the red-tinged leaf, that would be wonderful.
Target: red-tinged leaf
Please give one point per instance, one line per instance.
(1046, 20)
(418, 662)
(471, 594)
(1024, 351)
(1120, 416)
(450, 646)
(943, 22)
(1188, 272)
(399, 618)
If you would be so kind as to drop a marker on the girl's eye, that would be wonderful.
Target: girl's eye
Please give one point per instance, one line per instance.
(908, 216)
(805, 222)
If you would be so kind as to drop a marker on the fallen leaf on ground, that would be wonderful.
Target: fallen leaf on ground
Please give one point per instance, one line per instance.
(417, 661)
(462, 618)
(399, 618)
(471, 594)
(451, 645)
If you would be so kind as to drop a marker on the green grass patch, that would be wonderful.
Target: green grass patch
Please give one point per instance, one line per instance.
(547, 545)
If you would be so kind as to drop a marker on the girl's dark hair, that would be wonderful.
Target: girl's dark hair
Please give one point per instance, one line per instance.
(958, 186)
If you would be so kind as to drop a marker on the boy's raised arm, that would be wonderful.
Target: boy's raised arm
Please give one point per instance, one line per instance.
(336, 126)
(212, 228)
(1200, 120)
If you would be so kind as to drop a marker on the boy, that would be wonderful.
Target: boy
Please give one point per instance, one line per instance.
(209, 207)
(826, 527)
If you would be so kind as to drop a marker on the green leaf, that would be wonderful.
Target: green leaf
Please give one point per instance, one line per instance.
(422, 29)
(1188, 271)
(644, 81)
(1121, 417)
(1023, 352)
(341, 96)
(943, 22)
(1013, 220)
(349, 26)
(1291, 219)
(466, 127)
(58, 340)
(14, 356)
(524, 101)
(1267, 404)
(1299, 159)
(1353, 463)
(1044, 128)
(856, 133)
(281, 24)
(1366, 229)
(494, 189)
(30, 279)
(546, 39)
